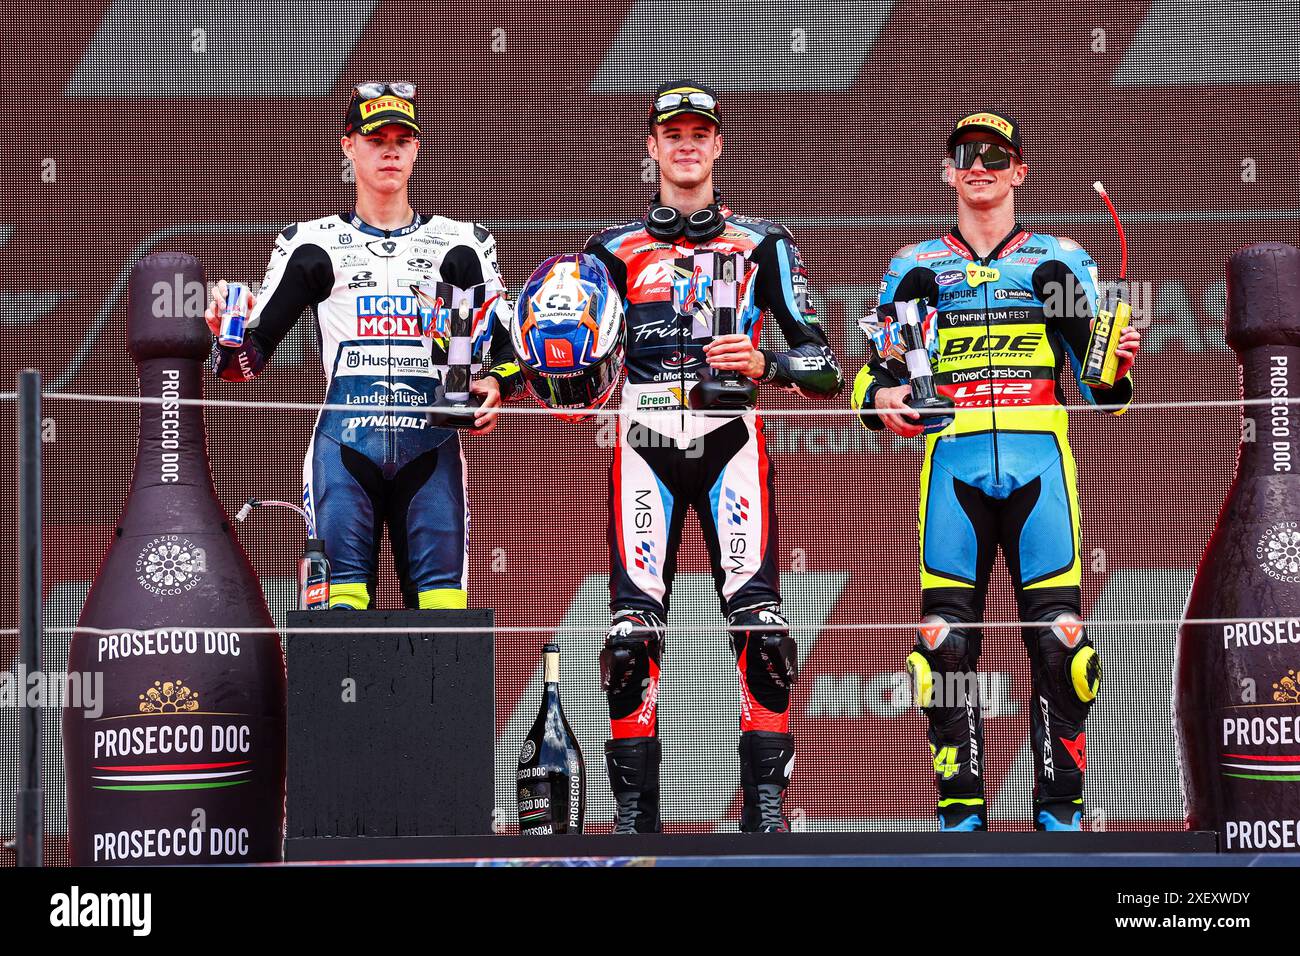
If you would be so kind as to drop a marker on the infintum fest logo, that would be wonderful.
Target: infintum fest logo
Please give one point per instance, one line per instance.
(170, 565)
(1278, 552)
(169, 697)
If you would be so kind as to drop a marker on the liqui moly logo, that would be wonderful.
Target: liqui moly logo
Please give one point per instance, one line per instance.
(397, 315)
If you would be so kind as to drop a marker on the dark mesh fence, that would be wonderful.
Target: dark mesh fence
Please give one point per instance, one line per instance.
(158, 127)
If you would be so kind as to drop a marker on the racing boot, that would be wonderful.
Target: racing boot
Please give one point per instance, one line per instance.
(958, 815)
(1059, 815)
(766, 760)
(633, 766)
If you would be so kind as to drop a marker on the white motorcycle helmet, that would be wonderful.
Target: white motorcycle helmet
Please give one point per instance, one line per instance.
(568, 335)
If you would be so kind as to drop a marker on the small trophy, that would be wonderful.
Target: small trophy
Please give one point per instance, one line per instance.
(936, 410)
(716, 284)
(452, 316)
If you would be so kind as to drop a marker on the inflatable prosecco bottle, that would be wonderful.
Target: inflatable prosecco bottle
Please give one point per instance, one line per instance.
(1237, 683)
(183, 760)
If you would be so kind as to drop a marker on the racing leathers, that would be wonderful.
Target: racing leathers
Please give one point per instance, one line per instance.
(1001, 474)
(369, 465)
(668, 460)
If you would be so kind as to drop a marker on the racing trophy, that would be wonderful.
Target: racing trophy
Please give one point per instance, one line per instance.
(935, 409)
(710, 282)
(455, 319)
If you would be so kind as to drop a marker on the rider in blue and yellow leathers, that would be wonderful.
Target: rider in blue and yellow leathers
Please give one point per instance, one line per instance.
(1008, 308)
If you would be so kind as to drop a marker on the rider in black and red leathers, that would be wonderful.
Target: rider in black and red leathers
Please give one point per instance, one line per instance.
(668, 460)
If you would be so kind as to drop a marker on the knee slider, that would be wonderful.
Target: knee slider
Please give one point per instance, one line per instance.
(1085, 673)
(635, 638)
(939, 650)
(765, 632)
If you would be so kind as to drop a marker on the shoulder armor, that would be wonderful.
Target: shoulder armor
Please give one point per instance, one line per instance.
(610, 231)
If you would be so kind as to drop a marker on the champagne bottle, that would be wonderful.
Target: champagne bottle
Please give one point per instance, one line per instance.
(552, 781)
(183, 759)
(1237, 691)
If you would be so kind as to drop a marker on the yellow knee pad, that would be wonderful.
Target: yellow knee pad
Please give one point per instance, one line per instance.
(443, 599)
(922, 675)
(350, 595)
(1085, 674)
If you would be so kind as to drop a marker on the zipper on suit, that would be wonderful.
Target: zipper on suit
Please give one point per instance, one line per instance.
(390, 440)
(993, 398)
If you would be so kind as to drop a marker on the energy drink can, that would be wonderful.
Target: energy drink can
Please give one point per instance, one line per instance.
(234, 317)
(1101, 362)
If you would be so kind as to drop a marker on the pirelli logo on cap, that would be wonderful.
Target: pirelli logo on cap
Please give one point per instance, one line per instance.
(988, 119)
(386, 104)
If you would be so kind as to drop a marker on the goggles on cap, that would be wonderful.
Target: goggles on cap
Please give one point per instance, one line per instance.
(372, 91)
(672, 101)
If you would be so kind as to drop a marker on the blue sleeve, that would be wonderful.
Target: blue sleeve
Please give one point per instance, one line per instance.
(809, 366)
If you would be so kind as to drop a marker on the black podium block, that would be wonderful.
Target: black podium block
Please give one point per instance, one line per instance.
(390, 734)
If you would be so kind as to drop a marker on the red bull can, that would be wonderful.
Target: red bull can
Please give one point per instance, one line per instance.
(234, 317)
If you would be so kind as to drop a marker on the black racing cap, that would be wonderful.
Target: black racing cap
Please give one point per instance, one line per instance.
(681, 97)
(375, 105)
(999, 124)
